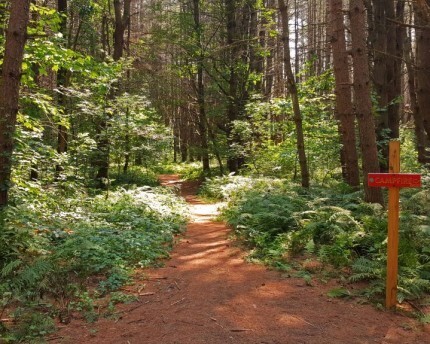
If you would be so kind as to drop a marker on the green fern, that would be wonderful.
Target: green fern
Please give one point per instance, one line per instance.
(31, 279)
(9, 268)
(339, 293)
(365, 269)
(334, 224)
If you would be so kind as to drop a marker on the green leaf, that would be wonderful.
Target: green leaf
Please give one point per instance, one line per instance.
(339, 293)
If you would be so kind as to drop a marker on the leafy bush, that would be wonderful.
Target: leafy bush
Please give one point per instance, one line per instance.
(189, 171)
(54, 245)
(277, 220)
(262, 218)
(229, 188)
(32, 328)
(135, 176)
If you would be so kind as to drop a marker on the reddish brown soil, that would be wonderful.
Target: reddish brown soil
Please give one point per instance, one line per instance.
(207, 293)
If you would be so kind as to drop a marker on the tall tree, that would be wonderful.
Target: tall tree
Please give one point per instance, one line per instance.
(237, 46)
(234, 162)
(16, 36)
(343, 101)
(200, 87)
(292, 91)
(395, 42)
(62, 82)
(122, 19)
(386, 39)
(378, 43)
(422, 15)
(362, 99)
(421, 140)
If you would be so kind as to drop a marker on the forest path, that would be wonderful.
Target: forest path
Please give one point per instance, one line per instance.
(207, 293)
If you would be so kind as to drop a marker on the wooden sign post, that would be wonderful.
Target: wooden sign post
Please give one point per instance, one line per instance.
(394, 180)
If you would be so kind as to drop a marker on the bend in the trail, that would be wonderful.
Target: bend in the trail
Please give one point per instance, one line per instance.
(208, 293)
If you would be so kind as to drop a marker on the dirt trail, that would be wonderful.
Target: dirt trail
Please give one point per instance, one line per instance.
(207, 293)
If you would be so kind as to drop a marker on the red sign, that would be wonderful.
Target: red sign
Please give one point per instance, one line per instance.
(394, 180)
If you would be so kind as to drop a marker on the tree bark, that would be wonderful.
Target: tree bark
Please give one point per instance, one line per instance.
(423, 64)
(233, 161)
(200, 88)
(62, 82)
(395, 40)
(343, 105)
(9, 89)
(270, 46)
(122, 18)
(421, 140)
(127, 138)
(362, 99)
(184, 137)
(127, 143)
(380, 71)
(386, 39)
(292, 90)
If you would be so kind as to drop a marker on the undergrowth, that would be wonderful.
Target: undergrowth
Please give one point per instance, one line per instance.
(187, 171)
(62, 249)
(135, 176)
(278, 220)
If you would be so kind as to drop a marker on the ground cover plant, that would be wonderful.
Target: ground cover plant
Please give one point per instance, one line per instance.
(278, 221)
(63, 250)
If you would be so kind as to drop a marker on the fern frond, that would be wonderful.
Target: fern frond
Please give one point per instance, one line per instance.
(11, 267)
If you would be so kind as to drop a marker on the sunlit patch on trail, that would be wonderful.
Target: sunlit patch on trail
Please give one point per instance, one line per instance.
(204, 212)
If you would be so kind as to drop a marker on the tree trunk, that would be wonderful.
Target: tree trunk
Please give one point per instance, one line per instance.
(296, 37)
(184, 135)
(292, 90)
(175, 127)
(103, 150)
(387, 38)
(61, 82)
(216, 149)
(395, 40)
(311, 35)
(378, 41)
(127, 143)
(270, 46)
(344, 109)
(122, 18)
(9, 89)
(257, 41)
(423, 63)
(362, 99)
(232, 110)
(422, 142)
(127, 139)
(200, 88)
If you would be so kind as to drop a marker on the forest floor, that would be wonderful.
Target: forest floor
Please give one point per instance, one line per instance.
(208, 293)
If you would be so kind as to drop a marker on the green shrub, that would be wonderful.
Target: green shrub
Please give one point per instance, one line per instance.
(135, 176)
(52, 248)
(32, 327)
(276, 220)
(229, 188)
